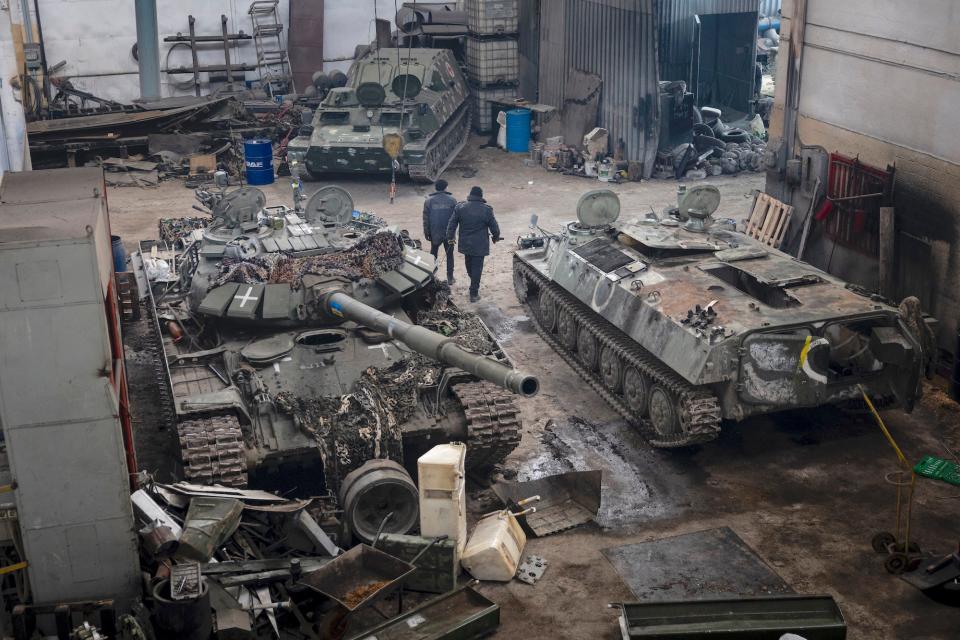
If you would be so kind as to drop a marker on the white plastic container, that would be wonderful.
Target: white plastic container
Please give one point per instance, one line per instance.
(495, 547)
(443, 499)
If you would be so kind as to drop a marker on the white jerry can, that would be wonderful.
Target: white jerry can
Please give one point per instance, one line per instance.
(443, 500)
(494, 549)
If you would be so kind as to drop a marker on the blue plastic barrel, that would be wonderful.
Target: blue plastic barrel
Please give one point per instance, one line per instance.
(119, 254)
(258, 158)
(518, 130)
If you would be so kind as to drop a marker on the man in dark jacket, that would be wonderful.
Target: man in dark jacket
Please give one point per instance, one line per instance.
(476, 221)
(437, 211)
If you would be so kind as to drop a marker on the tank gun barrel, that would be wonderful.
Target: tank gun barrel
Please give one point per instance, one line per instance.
(433, 345)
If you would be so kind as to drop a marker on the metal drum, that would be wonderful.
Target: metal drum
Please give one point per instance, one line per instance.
(258, 158)
(518, 130)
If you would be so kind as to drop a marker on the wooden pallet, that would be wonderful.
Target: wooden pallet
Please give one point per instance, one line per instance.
(768, 221)
(127, 296)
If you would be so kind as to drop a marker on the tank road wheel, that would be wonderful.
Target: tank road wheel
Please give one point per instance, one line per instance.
(636, 391)
(567, 330)
(663, 412)
(520, 285)
(548, 311)
(373, 490)
(588, 349)
(611, 369)
(212, 451)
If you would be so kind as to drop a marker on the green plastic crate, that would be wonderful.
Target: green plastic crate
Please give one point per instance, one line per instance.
(939, 469)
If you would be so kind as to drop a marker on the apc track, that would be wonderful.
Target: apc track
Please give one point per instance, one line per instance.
(443, 148)
(632, 381)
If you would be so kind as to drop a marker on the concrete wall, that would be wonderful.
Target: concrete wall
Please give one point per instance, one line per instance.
(347, 23)
(95, 37)
(881, 79)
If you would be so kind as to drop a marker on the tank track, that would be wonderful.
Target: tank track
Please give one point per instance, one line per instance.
(493, 422)
(699, 409)
(212, 450)
(165, 408)
(443, 148)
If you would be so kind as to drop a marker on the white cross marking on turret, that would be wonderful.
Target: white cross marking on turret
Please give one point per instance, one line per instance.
(246, 297)
(382, 346)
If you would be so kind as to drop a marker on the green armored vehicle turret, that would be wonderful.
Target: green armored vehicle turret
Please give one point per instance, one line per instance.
(682, 322)
(416, 94)
(318, 338)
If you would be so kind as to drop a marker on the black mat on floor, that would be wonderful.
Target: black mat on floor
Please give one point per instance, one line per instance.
(714, 563)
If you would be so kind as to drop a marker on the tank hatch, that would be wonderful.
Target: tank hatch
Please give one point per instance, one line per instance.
(330, 205)
(598, 208)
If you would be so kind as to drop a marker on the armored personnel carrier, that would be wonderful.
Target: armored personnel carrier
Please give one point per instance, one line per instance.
(318, 338)
(681, 322)
(411, 103)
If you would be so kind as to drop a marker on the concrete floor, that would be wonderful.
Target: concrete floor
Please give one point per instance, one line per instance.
(805, 490)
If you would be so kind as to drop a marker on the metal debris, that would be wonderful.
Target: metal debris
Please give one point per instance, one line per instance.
(532, 569)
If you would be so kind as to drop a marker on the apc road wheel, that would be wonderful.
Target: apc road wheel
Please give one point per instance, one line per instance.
(567, 330)
(548, 311)
(373, 490)
(611, 369)
(663, 412)
(588, 349)
(636, 390)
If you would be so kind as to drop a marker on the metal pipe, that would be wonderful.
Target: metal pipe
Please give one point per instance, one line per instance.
(432, 345)
(27, 20)
(148, 49)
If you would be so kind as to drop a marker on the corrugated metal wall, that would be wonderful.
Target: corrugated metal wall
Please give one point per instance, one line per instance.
(769, 7)
(613, 39)
(529, 47)
(676, 32)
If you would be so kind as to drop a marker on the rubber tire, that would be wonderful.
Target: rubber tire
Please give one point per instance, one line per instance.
(736, 135)
(700, 129)
(705, 143)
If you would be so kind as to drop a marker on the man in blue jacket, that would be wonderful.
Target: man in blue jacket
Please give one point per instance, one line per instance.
(477, 227)
(437, 211)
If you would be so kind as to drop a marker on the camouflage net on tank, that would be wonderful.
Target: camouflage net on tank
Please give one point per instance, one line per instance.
(372, 255)
(365, 424)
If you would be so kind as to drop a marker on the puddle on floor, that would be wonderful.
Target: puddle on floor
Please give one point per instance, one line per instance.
(503, 326)
(638, 484)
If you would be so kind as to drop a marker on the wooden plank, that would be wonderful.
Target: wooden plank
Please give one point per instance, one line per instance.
(782, 227)
(769, 222)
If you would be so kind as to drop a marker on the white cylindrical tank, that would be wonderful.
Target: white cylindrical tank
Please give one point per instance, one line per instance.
(443, 500)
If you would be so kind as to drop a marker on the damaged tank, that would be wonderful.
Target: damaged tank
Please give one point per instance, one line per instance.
(312, 335)
(408, 103)
(682, 322)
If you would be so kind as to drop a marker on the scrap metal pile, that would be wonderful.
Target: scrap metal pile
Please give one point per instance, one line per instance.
(372, 255)
(174, 231)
